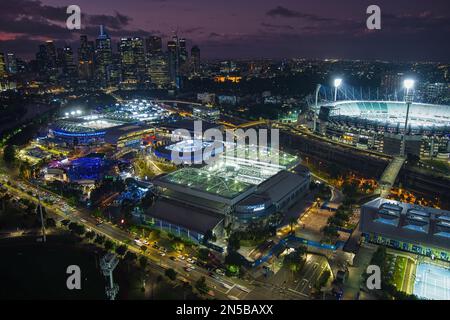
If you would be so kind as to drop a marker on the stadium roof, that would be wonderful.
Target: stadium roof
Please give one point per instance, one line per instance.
(393, 112)
(408, 222)
(184, 216)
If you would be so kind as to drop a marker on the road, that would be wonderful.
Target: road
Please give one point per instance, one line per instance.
(222, 287)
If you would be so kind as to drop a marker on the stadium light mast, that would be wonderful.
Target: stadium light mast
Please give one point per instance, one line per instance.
(337, 84)
(316, 107)
(408, 84)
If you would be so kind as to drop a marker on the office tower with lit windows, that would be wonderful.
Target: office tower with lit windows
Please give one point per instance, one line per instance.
(173, 53)
(132, 61)
(195, 59)
(156, 62)
(11, 63)
(153, 44)
(139, 58)
(47, 62)
(85, 59)
(3, 71)
(68, 65)
(103, 58)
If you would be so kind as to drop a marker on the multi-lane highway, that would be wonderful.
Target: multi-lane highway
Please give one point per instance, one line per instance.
(221, 287)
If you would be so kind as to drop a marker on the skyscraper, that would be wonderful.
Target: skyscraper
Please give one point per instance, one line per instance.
(195, 59)
(3, 73)
(85, 59)
(68, 65)
(156, 62)
(173, 52)
(47, 62)
(103, 58)
(11, 63)
(153, 44)
(132, 61)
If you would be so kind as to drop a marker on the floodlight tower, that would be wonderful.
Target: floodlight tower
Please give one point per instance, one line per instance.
(316, 107)
(408, 84)
(108, 263)
(337, 84)
(44, 237)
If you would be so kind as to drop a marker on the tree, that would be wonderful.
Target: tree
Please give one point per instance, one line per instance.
(108, 245)
(90, 235)
(323, 279)
(143, 261)
(171, 274)
(203, 254)
(99, 239)
(121, 250)
(292, 223)
(294, 260)
(130, 256)
(201, 285)
(330, 231)
(50, 223)
(234, 242)
(9, 154)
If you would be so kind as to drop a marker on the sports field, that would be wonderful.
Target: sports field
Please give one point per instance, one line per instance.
(432, 282)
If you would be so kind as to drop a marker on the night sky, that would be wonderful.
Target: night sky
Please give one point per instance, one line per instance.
(411, 29)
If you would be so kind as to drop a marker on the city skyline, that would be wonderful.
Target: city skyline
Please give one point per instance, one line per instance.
(410, 30)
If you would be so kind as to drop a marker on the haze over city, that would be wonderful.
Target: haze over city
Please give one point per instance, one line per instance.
(411, 30)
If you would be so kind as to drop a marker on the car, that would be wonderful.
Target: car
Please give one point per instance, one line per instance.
(145, 242)
(155, 246)
(173, 258)
(138, 242)
(162, 254)
(220, 272)
(181, 257)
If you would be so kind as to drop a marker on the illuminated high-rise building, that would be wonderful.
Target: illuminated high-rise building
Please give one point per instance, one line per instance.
(11, 63)
(195, 59)
(47, 61)
(173, 53)
(103, 58)
(85, 59)
(132, 61)
(156, 62)
(3, 73)
(153, 44)
(68, 65)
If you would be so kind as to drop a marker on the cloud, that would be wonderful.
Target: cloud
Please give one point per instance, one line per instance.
(31, 22)
(283, 12)
(116, 21)
(277, 26)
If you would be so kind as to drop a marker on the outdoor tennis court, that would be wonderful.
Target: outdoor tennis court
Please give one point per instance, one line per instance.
(432, 282)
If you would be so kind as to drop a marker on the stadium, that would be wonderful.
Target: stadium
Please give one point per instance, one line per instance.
(239, 187)
(379, 125)
(121, 125)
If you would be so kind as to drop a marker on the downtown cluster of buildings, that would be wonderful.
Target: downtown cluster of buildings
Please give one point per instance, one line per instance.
(137, 63)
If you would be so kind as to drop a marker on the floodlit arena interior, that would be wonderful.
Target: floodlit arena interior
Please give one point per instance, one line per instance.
(122, 125)
(379, 125)
(242, 185)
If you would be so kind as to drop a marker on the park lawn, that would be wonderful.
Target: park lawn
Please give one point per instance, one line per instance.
(399, 272)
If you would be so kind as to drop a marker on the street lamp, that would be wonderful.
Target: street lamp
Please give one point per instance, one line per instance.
(408, 84)
(337, 84)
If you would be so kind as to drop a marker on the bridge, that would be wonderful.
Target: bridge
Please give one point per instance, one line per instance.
(179, 102)
(389, 176)
(120, 153)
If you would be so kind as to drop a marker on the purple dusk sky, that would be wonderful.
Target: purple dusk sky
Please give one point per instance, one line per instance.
(411, 29)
